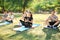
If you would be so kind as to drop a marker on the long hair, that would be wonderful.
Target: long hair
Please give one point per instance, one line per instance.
(31, 14)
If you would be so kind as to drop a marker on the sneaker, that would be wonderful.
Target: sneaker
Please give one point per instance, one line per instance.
(47, 27)
(55, 27)
(51, 27)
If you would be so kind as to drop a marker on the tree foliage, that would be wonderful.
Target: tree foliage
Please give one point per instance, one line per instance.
(34, 5)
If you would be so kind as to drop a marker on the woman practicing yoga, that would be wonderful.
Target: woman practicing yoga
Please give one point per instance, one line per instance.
(52, 21)
(5, 14)
(10, 17)
(27, 19)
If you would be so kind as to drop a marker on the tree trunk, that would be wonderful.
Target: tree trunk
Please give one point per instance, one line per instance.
(24, 6)
(23, 10)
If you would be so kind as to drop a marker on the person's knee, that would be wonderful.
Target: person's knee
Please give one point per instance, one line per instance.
(45, 20)
(59, 21)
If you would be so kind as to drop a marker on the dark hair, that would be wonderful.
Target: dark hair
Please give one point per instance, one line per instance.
(31, 14)
(4, 10)
(53, 11)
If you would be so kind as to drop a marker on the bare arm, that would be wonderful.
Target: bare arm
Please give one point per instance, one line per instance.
(57, 21)
(47, 21)
(22, 18)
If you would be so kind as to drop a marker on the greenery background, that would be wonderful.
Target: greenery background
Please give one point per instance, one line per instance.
(34, 5)
(39, 33)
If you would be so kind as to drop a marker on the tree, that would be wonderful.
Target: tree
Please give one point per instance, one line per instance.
(25, 4)
(1, 5)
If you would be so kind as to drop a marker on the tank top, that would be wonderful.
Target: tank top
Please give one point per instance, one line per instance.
(52, 19)
(28, 18)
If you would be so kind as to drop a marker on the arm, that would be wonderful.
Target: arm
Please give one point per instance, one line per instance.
(10, 17)
(22, 18)
(47, 21)
(57, 21)
(54, 18)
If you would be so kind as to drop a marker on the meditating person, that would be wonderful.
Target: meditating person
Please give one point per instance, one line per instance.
(5, 14)
(27, 19)
(52, 21)
(10, 17)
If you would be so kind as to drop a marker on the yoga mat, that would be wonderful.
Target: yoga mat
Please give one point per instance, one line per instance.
(23, 27)
(4, 23)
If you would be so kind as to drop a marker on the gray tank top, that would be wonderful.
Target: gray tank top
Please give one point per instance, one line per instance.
(54, 17)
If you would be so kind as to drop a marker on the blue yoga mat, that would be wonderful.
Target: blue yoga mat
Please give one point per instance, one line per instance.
(4, 23)
(23, 27)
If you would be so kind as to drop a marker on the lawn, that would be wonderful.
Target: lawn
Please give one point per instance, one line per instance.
(38, 33)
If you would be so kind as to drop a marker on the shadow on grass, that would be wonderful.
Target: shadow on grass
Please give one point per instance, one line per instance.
(1, 37)
(50, 32)
(17, 26)
(25, 36)
(5, 25)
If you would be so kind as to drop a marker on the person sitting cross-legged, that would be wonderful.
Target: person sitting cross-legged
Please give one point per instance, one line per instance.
(52, 21)
(10, 17)
(27, 19)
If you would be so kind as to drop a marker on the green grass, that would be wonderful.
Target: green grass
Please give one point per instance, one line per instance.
(38, 33)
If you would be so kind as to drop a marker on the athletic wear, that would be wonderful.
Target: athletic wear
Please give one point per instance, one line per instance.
(26, 19)
(5, 15)
(53, 17)
(11, 17)
(26, 24)
(9, 21)
(52, 23)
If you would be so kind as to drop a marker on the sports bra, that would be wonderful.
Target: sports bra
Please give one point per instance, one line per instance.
(28, 18)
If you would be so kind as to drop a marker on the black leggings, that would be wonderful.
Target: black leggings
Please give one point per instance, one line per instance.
(26, 24)
(9, 21)
(52, 23)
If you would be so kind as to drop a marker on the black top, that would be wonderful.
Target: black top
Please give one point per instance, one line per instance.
(28, 18)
